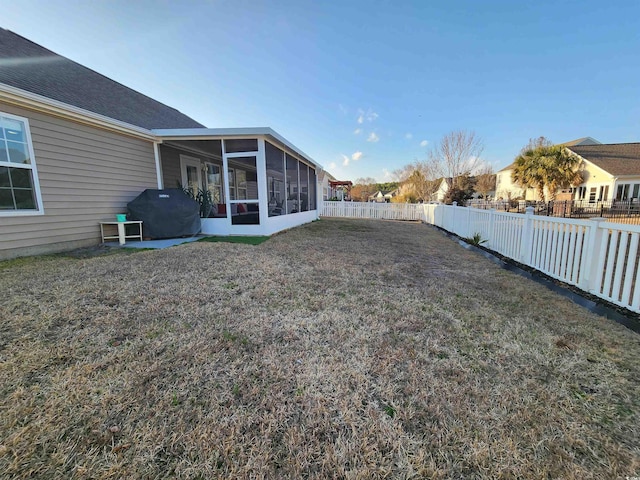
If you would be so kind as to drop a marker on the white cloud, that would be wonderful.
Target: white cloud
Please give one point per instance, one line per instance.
(408, 136)
(357, 131)
(373, 137)
(386, 174)
(345, 160)
(332, 165)
(369, 115)
(424, 143)
(356, 156)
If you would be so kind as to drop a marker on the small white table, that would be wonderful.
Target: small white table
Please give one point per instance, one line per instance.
(121, 236)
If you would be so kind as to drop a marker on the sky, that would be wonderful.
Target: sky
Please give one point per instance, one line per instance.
(366, 87)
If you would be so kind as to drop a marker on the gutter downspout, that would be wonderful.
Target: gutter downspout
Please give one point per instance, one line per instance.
(156, 155)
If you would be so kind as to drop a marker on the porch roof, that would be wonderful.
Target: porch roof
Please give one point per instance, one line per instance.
(221, 133)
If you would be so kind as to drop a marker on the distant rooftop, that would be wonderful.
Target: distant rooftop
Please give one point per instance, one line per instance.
(581, 141)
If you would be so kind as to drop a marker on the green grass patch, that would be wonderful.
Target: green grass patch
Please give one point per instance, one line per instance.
(247, 240)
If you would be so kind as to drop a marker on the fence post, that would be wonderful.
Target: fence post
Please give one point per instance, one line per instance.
(591, 254)
(491, 229)
(526, 242)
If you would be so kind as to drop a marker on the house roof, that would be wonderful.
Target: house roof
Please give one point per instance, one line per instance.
(32, 68)
(581, 141)
(614, 158)
(570, 143)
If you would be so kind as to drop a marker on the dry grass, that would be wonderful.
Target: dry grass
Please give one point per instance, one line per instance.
(342, 349)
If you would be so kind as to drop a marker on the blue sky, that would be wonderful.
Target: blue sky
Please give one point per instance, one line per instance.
(365, 87)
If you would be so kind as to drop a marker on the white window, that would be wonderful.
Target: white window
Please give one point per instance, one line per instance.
(19, 186)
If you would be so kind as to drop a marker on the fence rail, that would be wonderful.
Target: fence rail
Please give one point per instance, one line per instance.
(597, 256)
(619, 211)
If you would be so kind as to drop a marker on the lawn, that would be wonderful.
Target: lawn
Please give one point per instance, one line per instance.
(341, 349)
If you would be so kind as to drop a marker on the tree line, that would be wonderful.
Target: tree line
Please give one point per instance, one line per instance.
(457, 160)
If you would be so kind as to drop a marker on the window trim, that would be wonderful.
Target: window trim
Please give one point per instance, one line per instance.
(34, 172)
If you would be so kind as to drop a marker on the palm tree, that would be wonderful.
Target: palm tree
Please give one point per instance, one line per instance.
(529, 171)
(562, 169)
(541, 164)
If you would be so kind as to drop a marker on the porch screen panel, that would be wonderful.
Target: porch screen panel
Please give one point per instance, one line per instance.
(246, 181)
(275, 180)
(245, 209)
(304, 186)
(293, 190)
(312, 189)
(214, 182)
(241, 145)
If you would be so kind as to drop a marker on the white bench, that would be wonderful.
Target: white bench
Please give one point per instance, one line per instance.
(121, 236)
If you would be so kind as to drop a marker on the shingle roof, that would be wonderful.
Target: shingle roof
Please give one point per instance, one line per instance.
(614, 158)
(571, 143)
(28, 66)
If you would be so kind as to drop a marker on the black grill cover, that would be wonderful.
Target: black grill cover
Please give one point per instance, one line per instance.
(165, 213)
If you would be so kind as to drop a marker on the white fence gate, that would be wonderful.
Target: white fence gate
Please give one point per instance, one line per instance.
(594, 255)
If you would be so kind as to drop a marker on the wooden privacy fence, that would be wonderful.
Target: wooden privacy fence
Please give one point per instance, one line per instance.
(596, 256)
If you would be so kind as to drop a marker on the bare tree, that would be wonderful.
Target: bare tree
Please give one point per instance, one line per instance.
(363, 188)
(457, 154)
(485, 181)
(417, 180)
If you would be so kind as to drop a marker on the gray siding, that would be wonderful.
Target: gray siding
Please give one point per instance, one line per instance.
(86, 175)
(170, 161)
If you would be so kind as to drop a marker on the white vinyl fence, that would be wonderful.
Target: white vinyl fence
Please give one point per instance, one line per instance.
(597, 256)
(379, 211)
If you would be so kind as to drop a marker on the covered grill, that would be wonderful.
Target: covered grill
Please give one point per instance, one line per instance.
(166, 213)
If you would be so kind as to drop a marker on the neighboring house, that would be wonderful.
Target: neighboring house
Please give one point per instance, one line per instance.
(332, 188)
(76, 147)
(611, 172)
(324, 178)
(339, 189)
(383, 196)
(506, 189)
(440, 194)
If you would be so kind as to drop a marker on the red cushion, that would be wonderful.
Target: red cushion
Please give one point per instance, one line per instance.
(222, 209)
(241, 208)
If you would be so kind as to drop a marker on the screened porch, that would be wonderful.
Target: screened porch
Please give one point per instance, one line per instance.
(257, 184)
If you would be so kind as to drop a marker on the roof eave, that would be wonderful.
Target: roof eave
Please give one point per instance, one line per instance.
(220, 133)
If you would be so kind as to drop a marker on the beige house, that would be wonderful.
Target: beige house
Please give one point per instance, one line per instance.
(76, 147)
(505, 187)
(611, 172)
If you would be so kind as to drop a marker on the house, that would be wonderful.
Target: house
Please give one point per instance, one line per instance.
(441, 192)
(610, 172)
(505, 187)
(383, 196)
(76, 147)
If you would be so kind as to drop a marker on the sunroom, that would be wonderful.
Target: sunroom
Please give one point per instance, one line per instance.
(258, 182)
